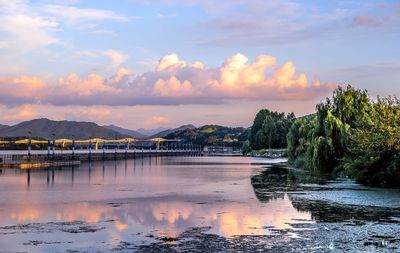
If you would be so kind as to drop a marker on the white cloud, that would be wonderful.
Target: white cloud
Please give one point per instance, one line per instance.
(75, 15)
(26, 26)
(29, 32)
(171, 62)
(116, 57)
(104, 32)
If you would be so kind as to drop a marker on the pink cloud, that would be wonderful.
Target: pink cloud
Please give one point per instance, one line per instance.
(24, 112)
(174, 81)
(156, 121)
(173, 88)
(368, 21)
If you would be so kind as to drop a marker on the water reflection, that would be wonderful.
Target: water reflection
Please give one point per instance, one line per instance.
(158, 196)
(166, 215)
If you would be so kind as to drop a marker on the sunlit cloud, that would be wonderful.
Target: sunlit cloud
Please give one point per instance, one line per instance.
(156, 120)
(117, 57)
(174, 81)
(16, 114)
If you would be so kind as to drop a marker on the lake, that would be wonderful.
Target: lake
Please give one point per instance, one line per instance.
(149, 205)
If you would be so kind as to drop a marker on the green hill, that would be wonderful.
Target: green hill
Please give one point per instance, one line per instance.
(213, 135)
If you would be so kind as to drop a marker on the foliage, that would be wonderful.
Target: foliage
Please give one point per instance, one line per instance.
(269, 129)
(246, 149)
(322, 141)
(213, 135)
(374, 157)
(350, 135)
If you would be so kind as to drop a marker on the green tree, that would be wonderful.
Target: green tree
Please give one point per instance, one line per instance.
(246, 148)
(269, 129)
(328, 140)
(374, 157)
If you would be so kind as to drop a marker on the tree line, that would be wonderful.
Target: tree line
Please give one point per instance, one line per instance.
(349, 135)
(269, 130)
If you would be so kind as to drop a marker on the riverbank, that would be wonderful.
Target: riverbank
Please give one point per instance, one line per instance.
(268, 153)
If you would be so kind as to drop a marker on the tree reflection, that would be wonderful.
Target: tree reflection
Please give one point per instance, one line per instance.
(278, 181)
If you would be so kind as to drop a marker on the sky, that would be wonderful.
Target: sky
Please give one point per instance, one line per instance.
(164, 63)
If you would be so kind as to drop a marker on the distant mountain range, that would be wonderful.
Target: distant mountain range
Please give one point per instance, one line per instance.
(140, 135)
(165, 133)
(49, 129)
(150, 132)
(132, 133)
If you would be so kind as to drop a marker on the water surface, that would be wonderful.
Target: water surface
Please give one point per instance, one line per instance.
(101, 206)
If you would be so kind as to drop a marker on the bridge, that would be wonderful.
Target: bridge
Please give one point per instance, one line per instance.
(66, 152)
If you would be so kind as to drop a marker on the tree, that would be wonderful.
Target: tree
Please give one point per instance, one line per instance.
(350, 135)
(269, 129)
(375, 146)
(246, 148)
(256, 137)
(328, 140)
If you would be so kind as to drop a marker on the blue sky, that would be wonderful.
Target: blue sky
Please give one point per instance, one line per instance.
(88, 43)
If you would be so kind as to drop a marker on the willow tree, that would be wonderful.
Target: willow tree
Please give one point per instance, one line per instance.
(328, 140)
(299, 140)
(375, 146)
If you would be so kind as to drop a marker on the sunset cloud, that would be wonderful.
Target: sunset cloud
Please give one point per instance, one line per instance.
(174, 81)
(173, 88)
(74, 86)
(156, 121)
(16, 114)
(21, 90)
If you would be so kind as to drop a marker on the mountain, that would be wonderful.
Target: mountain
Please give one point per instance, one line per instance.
(213, 135)
(150, 132)
(164, 133)
(3, 126)
(124, 131)
(49, 129)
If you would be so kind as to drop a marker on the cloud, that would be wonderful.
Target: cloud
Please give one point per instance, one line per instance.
(156, 121)
(24, 112)
(28, 32)
(4, 44)
(28, 25)
(75, 15)
(23, 89)
(174, 81)
(367, 21)
(104, 32)
(73, 85)
(117, 57)
(165, 16)
(171, 62)
(173, 88)
(261, 23)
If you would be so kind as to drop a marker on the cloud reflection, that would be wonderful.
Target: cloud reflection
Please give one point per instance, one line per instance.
(167, 215)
